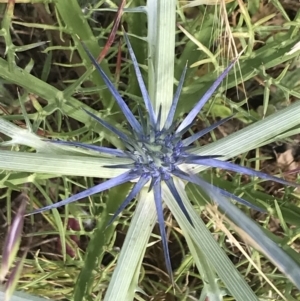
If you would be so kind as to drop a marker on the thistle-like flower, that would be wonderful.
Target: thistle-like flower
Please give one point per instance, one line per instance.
(157, 151)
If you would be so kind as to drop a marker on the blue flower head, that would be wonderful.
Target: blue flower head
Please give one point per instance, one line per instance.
(157, 151)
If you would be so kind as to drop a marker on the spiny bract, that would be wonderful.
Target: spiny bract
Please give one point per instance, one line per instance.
(158, 151)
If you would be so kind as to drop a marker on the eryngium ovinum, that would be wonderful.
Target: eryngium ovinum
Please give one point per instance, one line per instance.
(158, 152)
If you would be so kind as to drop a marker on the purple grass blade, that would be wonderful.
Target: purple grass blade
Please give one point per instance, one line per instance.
(239, 169)
(132, 194)
(193, 138)
(123, 106)
(171, 114)
(100, 149)
(194, 112)
(123, 178)
(161, 223)
(14, 277)
(143, 89)
(111, 128)
(172, 188)
(13, 239)
(207, 186)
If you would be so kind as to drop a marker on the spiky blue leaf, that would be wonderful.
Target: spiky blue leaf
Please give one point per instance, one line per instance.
(123, 178)
(99, 149)
(237, 168)
(208, 94)
(110, 127)
(201, 183)
(172, 188)
(143, 89)
(132, 194)
(123, 106)
(171, 114)
(161, 224)
(193, 138)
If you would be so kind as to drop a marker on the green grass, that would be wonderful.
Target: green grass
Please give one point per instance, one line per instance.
(46, 77)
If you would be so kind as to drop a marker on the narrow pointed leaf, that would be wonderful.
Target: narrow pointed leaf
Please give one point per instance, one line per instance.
(184, 130)
(135, 190)
(158, 122)
(185, 156)
(173, 107)
(152, 183)
(139, 77)
(142, 120)
(240, 169)
(193, 138)
(126, 140)
(161, 223)
(194, 112)
(111, 128)
(123, 178)
(100, 149)
(171, 186)
(169, 131)
(201, 183)
(123, 106)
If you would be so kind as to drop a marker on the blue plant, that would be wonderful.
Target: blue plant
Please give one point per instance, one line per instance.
(158, 152)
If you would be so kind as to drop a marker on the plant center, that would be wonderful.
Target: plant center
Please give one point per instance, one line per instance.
(157, 155)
